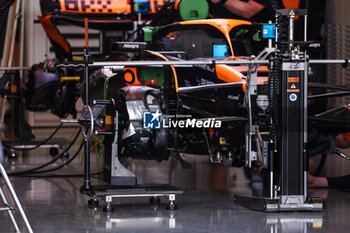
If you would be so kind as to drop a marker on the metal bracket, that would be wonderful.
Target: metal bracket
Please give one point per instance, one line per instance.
(120, 175)
(251, 130)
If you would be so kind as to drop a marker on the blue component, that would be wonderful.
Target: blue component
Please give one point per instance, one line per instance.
(268, 31)
(141, 6)
(220, 50)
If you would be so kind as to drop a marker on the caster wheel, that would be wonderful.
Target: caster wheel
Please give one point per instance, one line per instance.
(66, 155)
(108, 209)
(12, 155)
(53, 151)
(93, 202)
(171, 206)
(154, 200)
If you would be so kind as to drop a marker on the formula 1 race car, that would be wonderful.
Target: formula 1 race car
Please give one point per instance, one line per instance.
(177, 93)
(182, 93)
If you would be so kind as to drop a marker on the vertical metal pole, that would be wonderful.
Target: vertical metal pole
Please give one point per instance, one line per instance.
(306, 75)
(305, 159)
(270, 166)
(273, 143)
(305, 28)
(86, 74)
(276, 33)
(22, 21)
(87, 184)
(291, 32)
(305, 34)
(269, 45)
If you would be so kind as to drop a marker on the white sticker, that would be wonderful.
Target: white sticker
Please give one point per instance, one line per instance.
(293, 97)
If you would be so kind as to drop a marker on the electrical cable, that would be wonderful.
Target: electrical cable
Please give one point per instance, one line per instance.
(275, 73)
(321, 164)
(48, 163)
(56, 168)
(62, 165)
(33, 174)
(37, 145)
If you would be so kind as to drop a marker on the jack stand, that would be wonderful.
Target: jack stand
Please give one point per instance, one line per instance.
(172, 205)
(108, 208)
(274, 205)
(287, 151)
(123, 181)
(154, 191)
(93, 202)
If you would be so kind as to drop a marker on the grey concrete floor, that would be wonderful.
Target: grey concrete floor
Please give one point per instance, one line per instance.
(55, 204)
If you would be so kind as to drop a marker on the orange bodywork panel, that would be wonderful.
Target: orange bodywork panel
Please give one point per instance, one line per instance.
(228, 74)
(96, 6)
(224, 25)
(53, 33)
(105, 6)
(232, 74)
(291, 3)
(245, 68)
(130, 76)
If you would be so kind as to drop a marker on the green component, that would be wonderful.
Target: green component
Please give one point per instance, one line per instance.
(256, 37)
(107, 167)
(149, 73)
(193, 10)
(148, 32)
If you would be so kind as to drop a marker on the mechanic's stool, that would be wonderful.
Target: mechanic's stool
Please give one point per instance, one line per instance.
(7, 207)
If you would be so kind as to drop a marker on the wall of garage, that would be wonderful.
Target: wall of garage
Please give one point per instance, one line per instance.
(338, 43)
(38, 48)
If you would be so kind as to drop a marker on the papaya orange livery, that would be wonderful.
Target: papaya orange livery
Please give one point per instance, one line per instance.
(96, 6)
(106, 6)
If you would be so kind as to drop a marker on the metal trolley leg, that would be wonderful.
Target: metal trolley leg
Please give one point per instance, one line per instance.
(13, 220)
(15, 198)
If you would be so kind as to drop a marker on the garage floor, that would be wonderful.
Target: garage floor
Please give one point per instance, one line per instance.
(55, 204)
